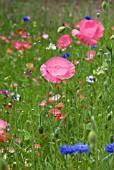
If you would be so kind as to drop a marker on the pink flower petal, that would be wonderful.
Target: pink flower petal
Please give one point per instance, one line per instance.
(3, 124)
(75, 32)
(55, 112)
(43, 103)
(91, 54)
(54, 98)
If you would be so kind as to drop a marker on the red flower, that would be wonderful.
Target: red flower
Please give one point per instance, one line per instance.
(55, 112)
(21, 32)
(59, 105)
(17, 45)
(4, 136)
(26, 44)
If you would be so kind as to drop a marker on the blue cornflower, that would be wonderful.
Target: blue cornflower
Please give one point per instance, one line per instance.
(94, 46)
(67, 149)
(88, 18)
(110, 148)
(66, 55)
(80, 147)
(26, 19)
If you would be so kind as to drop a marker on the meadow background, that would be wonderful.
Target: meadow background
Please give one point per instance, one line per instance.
(88, 107)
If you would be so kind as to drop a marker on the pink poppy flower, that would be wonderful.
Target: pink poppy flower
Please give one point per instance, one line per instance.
(76, 62)
(76, 25)
(75, 32)
(17, 45)
(4, 39)
(59, 117)
(54, 98)
(59, 105)
(112, 28)
(11, 150)
(18, 140)
(37, 146)
(57, 69)
(3, 124)
(43, 103)
(26, 44)
(64, 41)
(90, 32)
(45, 36)
(91, 54)
(55, 112)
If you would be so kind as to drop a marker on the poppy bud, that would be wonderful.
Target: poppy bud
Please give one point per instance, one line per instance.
(112, 138)
(41, 129)
(104, 5)
(109, 116)
(61, 29)
(98, 14)
(98, 54)
(112, 37)
(92, 138)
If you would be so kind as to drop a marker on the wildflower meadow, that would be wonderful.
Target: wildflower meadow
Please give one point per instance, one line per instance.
(56, 85)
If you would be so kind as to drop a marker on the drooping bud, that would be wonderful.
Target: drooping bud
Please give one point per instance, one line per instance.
(61, 29)
(109, 116)
(92, 138)
(41, 129)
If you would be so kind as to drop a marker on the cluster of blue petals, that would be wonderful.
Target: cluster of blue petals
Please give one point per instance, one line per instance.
(26, 19)
(88, 18)
(76, 149)
(110, 148)
(66, 55)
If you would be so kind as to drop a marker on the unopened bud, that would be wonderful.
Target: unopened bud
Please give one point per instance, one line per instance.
(41, 129)
(92, 138)
(61, 29)
(98, 14)
(104, 5)
(112, 37)
(109, 116)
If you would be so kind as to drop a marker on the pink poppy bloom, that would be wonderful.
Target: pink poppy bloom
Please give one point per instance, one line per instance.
(59, 105)
(43, 103)
(9, 50)
(76, 62)
(4, 39)
(76, 25)
(55, 112)
(66, 24)
(17, 45)
(57, 69)
(37, 146)
(59, 117)
(3, 124)
(78, 42)
(4, 136)
(54, 98)
(112, 28)
(12, 34)
(18, 140)
(75, 32)
(45, 36)
(26, 44)
(90, 32)
(91, 54)
(11, 150)
(64, 41)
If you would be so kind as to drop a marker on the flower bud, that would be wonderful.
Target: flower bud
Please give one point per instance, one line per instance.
(112, 138)
(109, 116)
(112, 37)
(61, 29)
(104, 5)
(41, 129)
(92, 138)
(98, 14)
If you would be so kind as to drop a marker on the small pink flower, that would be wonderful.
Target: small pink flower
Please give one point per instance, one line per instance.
(55, 112)
(57, 69)
(91, 54)
(11, 150)
(76, 62)
(45, 36)
(112, 28)
(76, 25)
(4, 39)
(75, 32)
(3, 124)
(26, 44)
(37, 146)
(59, 117)
(17, 45)
(64, 41)
(90, 32)
(43, 103)
(54, 98)
(78, 42)
(18, 140)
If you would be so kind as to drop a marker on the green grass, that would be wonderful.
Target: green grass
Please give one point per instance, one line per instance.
(26, 117)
